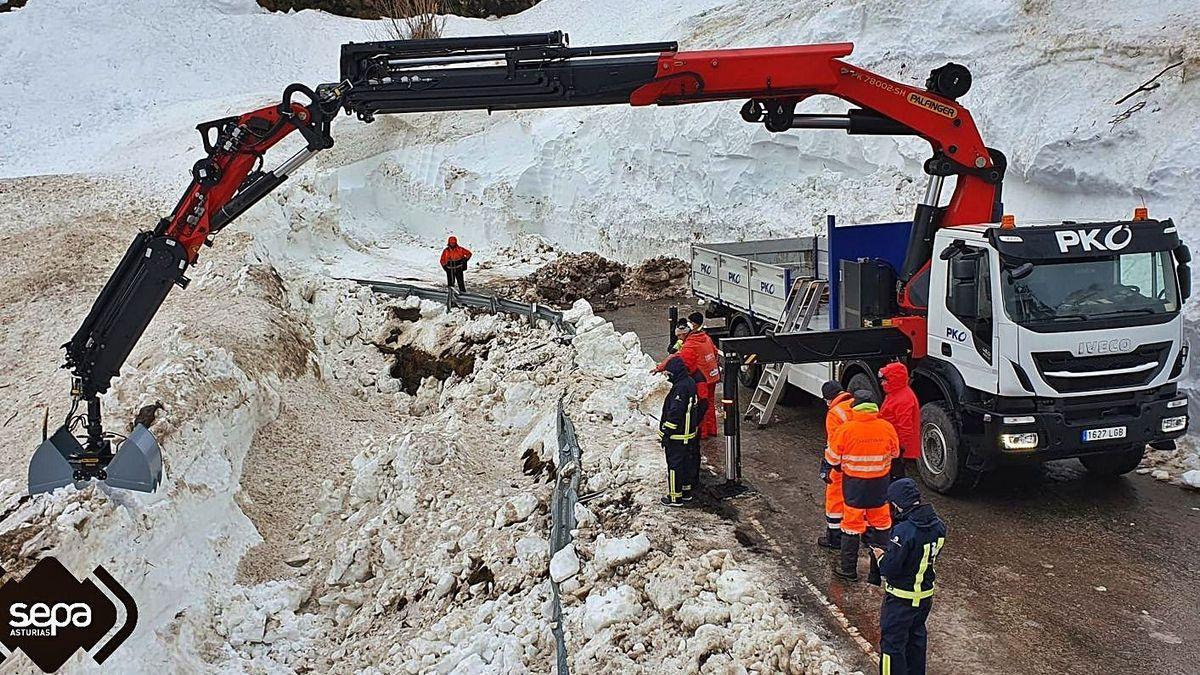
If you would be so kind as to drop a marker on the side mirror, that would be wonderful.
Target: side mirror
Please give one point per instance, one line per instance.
(1184, 271)
(1020, 271)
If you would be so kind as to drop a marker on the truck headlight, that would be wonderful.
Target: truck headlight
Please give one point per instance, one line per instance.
(1170, 424)
(1025, 441)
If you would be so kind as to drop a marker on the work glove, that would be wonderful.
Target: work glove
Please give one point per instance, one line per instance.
(826, 472)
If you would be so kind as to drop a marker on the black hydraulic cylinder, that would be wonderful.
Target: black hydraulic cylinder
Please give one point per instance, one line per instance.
(672, 320)
(251, 195)
(857, 121)
(733, 416)
(920, 240)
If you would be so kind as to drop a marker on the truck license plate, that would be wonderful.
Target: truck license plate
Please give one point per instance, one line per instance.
(1105, 434)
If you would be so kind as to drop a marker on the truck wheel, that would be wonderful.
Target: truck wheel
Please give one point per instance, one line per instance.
(864, 381)
(750, 375)
(1112, 464)
(941, 464)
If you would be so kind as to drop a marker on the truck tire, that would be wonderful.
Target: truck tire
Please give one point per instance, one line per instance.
(750, 375)
(1113, 464)
(942, 464)
(864, 381)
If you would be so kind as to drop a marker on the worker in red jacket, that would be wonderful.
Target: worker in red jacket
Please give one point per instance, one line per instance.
(711, 369)
(900, 407)
(454, 261)
(697, 351)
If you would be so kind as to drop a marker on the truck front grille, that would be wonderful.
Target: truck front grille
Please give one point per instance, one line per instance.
(1067, 373)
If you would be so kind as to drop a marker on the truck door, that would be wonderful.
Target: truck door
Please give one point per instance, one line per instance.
(962, 321)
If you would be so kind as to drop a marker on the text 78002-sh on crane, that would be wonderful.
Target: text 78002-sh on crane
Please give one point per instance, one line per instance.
(509, 72)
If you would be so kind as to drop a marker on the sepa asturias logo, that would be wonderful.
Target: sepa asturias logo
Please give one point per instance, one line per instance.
(50, 614)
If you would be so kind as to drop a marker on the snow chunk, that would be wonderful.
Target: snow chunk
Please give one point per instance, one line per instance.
(618, 604)
(564, 564)
(613, 552)
(580, 310)
(734, 585)
(515, 510)
(1192, 478)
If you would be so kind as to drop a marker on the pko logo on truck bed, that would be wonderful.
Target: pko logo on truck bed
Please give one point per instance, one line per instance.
(734, 277)
(705, 268)
(1113, 346)
(766, 287)
(1114, 239)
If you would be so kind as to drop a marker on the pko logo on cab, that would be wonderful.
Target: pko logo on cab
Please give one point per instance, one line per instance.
(50, 614)
(1087, 241)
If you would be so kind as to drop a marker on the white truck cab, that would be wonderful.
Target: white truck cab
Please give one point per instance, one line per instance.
(1041, 341)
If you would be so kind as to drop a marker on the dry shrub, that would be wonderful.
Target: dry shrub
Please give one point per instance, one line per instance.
(412, 19)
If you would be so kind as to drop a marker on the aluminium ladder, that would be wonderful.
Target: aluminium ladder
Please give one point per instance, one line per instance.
(801, 306)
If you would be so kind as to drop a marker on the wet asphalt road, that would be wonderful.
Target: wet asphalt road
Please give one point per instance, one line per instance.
(1046, 569)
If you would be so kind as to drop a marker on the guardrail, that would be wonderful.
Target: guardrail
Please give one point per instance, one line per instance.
(455, 298)
(562, 516)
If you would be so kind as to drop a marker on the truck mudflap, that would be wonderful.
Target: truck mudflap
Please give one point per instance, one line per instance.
(820, 346)
(1006, 433)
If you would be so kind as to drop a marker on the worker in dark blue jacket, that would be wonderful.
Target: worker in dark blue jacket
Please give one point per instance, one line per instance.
(907, 566)
(677, 428)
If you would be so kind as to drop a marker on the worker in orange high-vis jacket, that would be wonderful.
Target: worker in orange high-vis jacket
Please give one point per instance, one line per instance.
(839, 402)
(454, 261)
(863, 449)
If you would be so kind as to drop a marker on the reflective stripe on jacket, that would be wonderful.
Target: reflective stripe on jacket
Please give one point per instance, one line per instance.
(865, 445)
(910, 559)
(838, 414)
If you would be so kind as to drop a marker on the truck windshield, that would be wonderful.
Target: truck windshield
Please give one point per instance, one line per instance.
(1080, 290)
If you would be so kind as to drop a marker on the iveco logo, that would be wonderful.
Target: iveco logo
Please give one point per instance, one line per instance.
(734, 277)
(766, 287)
(1115, 239)
(1114, 346)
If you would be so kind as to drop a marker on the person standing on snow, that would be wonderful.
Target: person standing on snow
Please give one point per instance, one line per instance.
(699, 354)
(677, 427)
(900, 407)
(863, 448)
(908, 563)
(839, 402)
(454, 261)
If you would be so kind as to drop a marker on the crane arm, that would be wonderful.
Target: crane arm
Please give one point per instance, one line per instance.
(506, 72)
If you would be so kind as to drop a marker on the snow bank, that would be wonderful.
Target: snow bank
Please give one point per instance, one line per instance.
(425, 549)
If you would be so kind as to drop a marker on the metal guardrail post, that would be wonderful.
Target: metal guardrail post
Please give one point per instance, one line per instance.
(562, 517)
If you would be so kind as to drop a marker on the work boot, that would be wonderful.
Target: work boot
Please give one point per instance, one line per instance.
(847, 567)
(831, 539)
(667, 501)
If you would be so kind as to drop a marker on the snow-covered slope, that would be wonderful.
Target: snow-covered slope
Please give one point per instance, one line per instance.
(627, 182)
